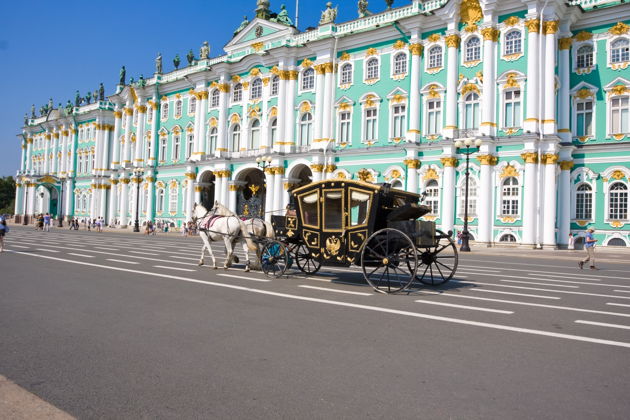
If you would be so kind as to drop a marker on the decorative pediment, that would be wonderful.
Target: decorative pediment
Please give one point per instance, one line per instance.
(584, 90)
(256, 32)
(397, 95)
(619, 86)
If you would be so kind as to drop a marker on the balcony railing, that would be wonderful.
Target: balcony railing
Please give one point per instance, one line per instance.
(463, 133)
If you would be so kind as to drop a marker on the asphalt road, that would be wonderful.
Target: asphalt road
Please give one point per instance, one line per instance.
(114, 325)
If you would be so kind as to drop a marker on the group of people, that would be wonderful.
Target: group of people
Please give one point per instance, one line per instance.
(4, 229)
(96, 224)
(189, 229)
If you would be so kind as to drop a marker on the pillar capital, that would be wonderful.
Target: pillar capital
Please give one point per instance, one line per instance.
(449, 162)
(549, 158)
(412, 163)
(530, 157)
(533, 25)
(452, 41)
(490, 34)
(490, 160)
(416, 49)
(550, 27)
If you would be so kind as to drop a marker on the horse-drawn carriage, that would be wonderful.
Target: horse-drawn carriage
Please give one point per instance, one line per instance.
(343, 222)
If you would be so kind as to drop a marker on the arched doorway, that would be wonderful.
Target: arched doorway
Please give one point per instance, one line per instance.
(250, 198)
(206, 182)
(301, 175)
(47, 199)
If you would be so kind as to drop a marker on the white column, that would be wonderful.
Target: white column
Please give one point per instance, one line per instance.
(197, 150)
(55, 149)
(113, 201)
(22, 156)
(47, 153)
(62, 149)
(265, 141)
(190, 192)
(69, 196)
(218, 186)
(564, 202)
(128, 111)
(153, 146)
(124, 200)
(282, 113)
(224, 91)
(198, 189)
(277, 190)
(18, 199)
(488, 121)
(107, 135)
(320, 71)
(412, 173)
(142, 112)
(452, 77)
(327, 134)
(533, 90)
(93, 199)
(72, 141)
(98, 149)
(550, 203)
(232, 190)
(448, 193)
(150, 179)
(203, 105)
(269, 194)
(413, 134)
(31, 198)
(549, 121)
(116, 142)
(485, 202)
(105, 188)
(528, 236)
(29, 154)
(563, 100)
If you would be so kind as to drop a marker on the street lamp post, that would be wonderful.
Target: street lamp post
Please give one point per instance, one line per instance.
(263, 161)
(138, 173)
(60, 224)
(459, 144)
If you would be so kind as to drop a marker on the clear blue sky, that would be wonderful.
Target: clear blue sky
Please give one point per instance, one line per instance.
(52, 48)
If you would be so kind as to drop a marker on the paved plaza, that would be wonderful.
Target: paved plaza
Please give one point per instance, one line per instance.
(121, 325)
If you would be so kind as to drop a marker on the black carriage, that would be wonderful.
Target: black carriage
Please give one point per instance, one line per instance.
(343, 222)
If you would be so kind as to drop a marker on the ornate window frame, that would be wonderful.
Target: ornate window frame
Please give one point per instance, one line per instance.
(274, 82)
(432, 92)
(215, 93)
(176, 133)
(303, 75)
(580, 176)
(511, 80)
(428, 173)
(256, 89)
(510, 25)
(340, 82)
(393, 56)
(366, 61)
(618, 88)
(581, 93)
(238, 87)
(465, 89)
(465, 40)
(610, 176)
(343, 105)
(397, 97)
(459, 190)
(369, 101)
(192, 105)
(428, 47)
(609, 42)
(577, 44)
(503, 171)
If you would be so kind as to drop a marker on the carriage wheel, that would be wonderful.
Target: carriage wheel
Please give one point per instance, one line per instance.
(305, 261)
(274, 259)
(437, 264)
(389, 261)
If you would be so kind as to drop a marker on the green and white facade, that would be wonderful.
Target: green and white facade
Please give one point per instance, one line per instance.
(383, 99)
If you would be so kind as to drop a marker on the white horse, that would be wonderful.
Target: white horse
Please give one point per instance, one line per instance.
(254, 227)
(214, 227)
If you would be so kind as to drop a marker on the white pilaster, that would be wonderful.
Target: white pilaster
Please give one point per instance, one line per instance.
(564, 203)
(124, 200)
(532, 116)
(282, 114)
(69, 196)
(413, 134)
(448, 193)
(320, 71)
(224, 91)
(528, 236)
(488, 120)
(485, 200)
(549, 200)
(142, 112)
(153, 140)
(327, 134)
(549, 121)
(113, 201)
(128, 115)
(116, 142)
(563, 99)
(452, 42)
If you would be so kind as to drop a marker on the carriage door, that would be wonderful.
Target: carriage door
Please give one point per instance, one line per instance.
(359, 203)
(333, 241)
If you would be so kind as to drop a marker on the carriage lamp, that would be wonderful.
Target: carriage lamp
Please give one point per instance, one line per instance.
(459, 144)
(263, 161)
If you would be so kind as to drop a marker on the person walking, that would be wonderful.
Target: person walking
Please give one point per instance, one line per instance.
(4, 229)
(47, 222)
(589, 246)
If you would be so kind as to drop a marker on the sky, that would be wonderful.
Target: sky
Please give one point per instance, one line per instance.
(52, 48)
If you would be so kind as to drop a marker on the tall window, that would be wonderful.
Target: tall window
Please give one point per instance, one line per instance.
(212, 140)
(164, 114)
(473, 49)
(584, 118)
(150, 112)
(159, 202)
(434, 116)
(254, 134)
(619, 110)
(344, 127)
(400, 64)
(620, 51)
(190, 141)
(192, 105)
(178, 108)
(80, 164)
(308, 79)
(371, 116)
(584, 202)
(435, 57)
(275, 85)
(399, 121)
(584, 58)
(172, 200)
(273, 131)
(346, 74)
(237, 95)
(618, 201)
(472, 198)
(177, 138)
(371, 69)
(509, 197)
(214, 99)
(306, 129)
(256, 92)
(236, 138)
(513, 43)
(512, 108)
(162, 152)
(433, 196)
(471, 111)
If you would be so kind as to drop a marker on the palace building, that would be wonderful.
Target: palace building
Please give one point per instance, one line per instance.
(383, 98)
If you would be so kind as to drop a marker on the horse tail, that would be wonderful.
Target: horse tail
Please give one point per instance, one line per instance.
(251, 245)
(270, 233)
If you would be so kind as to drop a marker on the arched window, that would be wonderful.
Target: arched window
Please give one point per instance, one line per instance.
(256, 92)
(618, 201)
(190, 141)
(584, 57)
(275, 85)
(435, 57)
(212, 140)
(237, 95)
(620, 115)
(162, 152)
(306, 129)
(472, 198)
(172, 200)
(159, 202)
(177, 139)
(308, 79)
(397, 184)
(346, 74)
(371, 67)
(214, 98)
(584, 202)
(513, 43)
(400, 64)
(473, 49)
(510, 197)
(584, 118)
(150, 112)
(508, 237)
(164, 114)
(236, 138)
(512, 108)
(254, 135)
(471, 111)
(432, 199)
(399, 120)
(620, 51)
(273, 131)
(178, 108)
(616, 242)
(192, 104)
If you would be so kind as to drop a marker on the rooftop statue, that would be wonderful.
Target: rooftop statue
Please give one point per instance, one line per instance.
(329, 15)
(26, 118)
(88, 97)
(33, 111)
(50, 104)
(42, 111)
(158, 63)
(363, 8)
(176, 61)
(131, 81)
(190, 57)
(262, 9)
(141, 81)
(204, 51)
(283, 16)
(389, 3)
(68, 107)
(123, 72)
(95, 95)
(77, 99)
(101, 92)
(244, 24)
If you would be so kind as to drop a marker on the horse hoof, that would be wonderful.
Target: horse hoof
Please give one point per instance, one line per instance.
(247, 269)
(215, 267)
(235, 258)
(200, 263)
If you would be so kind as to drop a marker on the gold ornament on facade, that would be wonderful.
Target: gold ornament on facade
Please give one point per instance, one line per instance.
(449, 162)
(399, 45)
(254, 72)
(618, 90)
(369, 100)
(509, 171)
(317, 167)
(253, 188)
(584, 93)
(434, 37)
(616, 223)
(236, 79)
(470, 11)
(398, 98)
(490, 160)
(533, 25)
(511, 81)
(190, 175)
(433, 91)
(224, 87)
(245, 85)
(365, 176)
(512, 21)
(618, 136)
(565, 43)
(305, 107)
(293, 74)
(566, 165)
(431, 174)
(128, 111)
(470, 28)
(508, 219)
(470, 87)
(619, 29)
(330, 67)
(550, 27)
(530, 157)
(330, 168)
(416, 49)
(371, 51)
(266, 81)
(306, 63)
(583, 36)
(618, 175)
(344, 56)
(117, 114)
(452, 41)
(490, 34)
(235, 119)
(274, 112)
(549, 159)
(258, 46)
(412, 163)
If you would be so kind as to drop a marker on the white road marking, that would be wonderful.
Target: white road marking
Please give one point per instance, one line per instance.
(244, 278)
(542, 290)
(514, 294)
(505, 276)
(81, 255)
(540, 284)
(184, 258)
(540, 305)
(473, 308)
(122, 261)
(563, 276)
(622, 291)
(618, 304)
(107, 248)
(47, 250)
(602, 324)
(17, 246)
(545, 265)
(335, 290)
(173, 268)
